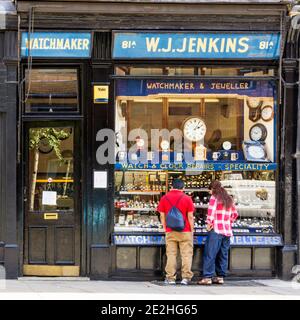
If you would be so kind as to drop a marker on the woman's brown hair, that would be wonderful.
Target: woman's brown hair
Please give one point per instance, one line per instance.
(221, 194)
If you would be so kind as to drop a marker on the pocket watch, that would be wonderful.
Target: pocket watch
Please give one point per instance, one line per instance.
(258, 132)
(267, 113)
(194, 129)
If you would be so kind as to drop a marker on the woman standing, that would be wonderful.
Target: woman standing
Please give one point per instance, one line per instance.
(221, 214)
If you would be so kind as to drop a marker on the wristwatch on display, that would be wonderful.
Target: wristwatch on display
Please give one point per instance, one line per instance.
(255, 151)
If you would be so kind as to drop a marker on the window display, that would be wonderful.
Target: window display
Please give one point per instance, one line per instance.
(138, 194)
(227, 133)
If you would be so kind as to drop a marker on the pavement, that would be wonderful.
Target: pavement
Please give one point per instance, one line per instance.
(83, 288)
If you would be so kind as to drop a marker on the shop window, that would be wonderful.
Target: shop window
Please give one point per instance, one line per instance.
(237, 147)
(51, 91)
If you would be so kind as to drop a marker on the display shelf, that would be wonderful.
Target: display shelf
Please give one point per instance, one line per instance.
(144, 193)
(139, 209)
(196, 190)
(200, 206)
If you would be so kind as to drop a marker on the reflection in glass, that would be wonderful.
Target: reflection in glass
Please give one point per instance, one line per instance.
(51, 169)
(51, 90)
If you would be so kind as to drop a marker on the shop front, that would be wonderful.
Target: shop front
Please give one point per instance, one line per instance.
(178, 117)
(111, 116)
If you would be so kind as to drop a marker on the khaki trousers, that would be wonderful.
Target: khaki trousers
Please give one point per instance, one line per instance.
(185, 242)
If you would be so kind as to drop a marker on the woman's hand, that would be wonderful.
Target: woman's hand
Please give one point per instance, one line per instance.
(209, 226)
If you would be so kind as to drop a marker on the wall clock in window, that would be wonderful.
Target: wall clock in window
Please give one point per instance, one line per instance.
(267, 113)
(258, 132)
(255, 151)
(44, 146)
(194, 129)
(254, 106)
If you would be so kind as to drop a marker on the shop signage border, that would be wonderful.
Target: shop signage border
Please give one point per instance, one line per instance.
(236, 240)
(195, 45)
(56, 44)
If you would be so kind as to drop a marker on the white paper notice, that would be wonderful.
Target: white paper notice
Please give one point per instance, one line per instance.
(100, 179)
(49, 198)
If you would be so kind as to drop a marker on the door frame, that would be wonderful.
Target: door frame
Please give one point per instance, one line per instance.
(23, 180)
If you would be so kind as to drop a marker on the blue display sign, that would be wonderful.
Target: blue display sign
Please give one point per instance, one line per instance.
(56, 44)
(181, 45)
(252, 88)
(199, 166)
(248, 240)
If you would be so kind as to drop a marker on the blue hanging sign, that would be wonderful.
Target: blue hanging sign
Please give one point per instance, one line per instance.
(145, 87)
(56, 44)
(180, 45)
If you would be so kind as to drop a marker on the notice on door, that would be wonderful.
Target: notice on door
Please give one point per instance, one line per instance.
(100, 179)
(49, 198)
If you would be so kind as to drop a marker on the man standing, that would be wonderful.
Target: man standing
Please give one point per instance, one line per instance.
(184, 238)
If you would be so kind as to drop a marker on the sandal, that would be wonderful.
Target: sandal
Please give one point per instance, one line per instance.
(205, 281)
(218, 280)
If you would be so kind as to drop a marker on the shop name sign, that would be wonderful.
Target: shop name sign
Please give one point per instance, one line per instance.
(56, 44)
(130, 45)
(135, 87)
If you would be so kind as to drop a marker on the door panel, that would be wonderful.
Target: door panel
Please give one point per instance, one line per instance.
(37, 244)
(64, 245)
(52, 216)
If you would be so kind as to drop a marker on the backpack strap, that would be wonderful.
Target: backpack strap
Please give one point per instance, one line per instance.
(172, 205)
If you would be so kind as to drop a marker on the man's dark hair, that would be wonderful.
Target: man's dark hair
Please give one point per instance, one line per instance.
(178, 184)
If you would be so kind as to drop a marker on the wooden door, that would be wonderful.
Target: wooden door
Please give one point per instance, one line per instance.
(52, 202)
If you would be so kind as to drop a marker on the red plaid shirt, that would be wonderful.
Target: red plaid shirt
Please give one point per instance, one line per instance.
(220, 218)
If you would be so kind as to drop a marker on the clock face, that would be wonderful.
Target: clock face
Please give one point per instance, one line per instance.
(256, 152)
(140, 142)
(226, 145)
(164, 145)
(267, 113)
(258, 132)
(194, 129)
(44, 146)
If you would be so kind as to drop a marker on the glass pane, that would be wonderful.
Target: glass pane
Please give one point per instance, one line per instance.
(154, 71)
(242, 71)
(51, 169)
(51, 90)
(138, 115)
